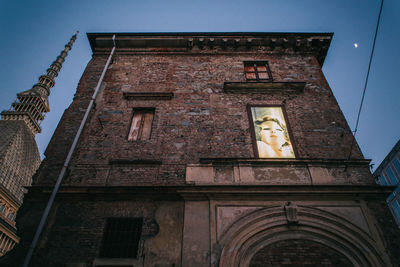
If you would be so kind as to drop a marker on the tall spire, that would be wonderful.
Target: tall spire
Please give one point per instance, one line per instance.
(32, 105)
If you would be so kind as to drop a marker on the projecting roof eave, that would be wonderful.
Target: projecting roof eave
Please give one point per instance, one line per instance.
(316, 43)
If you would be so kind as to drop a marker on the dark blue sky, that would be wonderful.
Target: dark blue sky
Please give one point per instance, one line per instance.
(34, 32)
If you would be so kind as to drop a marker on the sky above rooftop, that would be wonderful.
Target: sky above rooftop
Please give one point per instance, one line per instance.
(34, 32)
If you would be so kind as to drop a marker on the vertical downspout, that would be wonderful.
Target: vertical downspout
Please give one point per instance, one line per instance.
(66, 163)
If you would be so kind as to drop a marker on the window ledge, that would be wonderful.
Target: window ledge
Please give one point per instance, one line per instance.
(263, 87)
(117, 262)
(148, 95)
(134, 162)
(285, 161)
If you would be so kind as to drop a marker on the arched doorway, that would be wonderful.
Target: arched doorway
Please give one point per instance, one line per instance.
(263, 229)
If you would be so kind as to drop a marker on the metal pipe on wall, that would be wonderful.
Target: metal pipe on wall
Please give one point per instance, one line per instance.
(66, 163)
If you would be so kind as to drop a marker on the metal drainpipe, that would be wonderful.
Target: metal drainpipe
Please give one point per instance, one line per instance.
(63, 170)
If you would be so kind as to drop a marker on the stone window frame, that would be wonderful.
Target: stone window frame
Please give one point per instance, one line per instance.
(256, 67)
(139, 136)
(109, 250)
(252, 130)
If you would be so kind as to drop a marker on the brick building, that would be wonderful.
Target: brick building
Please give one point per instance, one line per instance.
(388, 174)
(19, 154)
(208, 149)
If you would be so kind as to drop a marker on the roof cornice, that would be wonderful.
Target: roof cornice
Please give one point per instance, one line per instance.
(313, 43)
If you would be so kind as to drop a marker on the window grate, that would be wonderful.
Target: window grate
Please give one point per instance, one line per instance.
(121, 238)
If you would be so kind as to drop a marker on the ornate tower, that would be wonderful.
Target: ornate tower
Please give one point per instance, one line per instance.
(19, 155)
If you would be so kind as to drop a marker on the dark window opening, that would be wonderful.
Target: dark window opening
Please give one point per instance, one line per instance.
(257, 71)
(121, 238)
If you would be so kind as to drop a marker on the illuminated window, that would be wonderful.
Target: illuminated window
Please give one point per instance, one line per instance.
(141, 124)
(121, 238)
(257, 71)
(270, 132)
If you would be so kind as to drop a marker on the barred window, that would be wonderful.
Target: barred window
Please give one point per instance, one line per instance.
(257, 71)
(141, 124)
(121, 238)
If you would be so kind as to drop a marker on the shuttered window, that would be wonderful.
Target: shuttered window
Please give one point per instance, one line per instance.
(141, 124)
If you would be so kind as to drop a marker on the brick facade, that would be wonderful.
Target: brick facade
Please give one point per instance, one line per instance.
(298, 253)
(197, 182)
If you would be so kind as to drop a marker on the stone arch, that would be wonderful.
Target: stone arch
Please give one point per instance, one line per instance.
(266, 226)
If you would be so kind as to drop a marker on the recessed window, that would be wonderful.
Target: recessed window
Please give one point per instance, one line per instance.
(396, 165)
(121, 238)
(390, 174)
(257, 71)
(396, 209)
(11, 216)
(270, 132)
(141, 124)
(382, 180)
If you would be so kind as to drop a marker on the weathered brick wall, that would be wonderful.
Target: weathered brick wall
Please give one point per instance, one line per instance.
(299, 253)
(56, 151)
(201, 121)
(74, 231)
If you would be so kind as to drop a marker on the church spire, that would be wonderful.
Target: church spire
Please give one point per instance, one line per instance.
(32, 105)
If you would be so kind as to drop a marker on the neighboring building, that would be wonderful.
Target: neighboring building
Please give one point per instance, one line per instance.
(19, 155)
(207, 149)
(388, 174)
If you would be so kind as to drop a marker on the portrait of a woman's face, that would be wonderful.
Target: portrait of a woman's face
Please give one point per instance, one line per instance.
(271, 133)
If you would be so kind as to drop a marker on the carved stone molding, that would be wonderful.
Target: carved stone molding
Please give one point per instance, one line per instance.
(314, 43)
(291, 214)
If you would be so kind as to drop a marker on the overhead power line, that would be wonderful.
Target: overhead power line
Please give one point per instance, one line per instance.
(366, 79)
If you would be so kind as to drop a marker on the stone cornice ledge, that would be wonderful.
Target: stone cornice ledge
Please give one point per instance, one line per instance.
(134, 162)
(314, 43)
(263, 87)
(267, 162)
(148, 95)
(117, 262)
(176, 193)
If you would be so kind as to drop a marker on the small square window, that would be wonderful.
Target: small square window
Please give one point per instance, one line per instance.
(257, 71)
(141, 124)
(121, 238)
